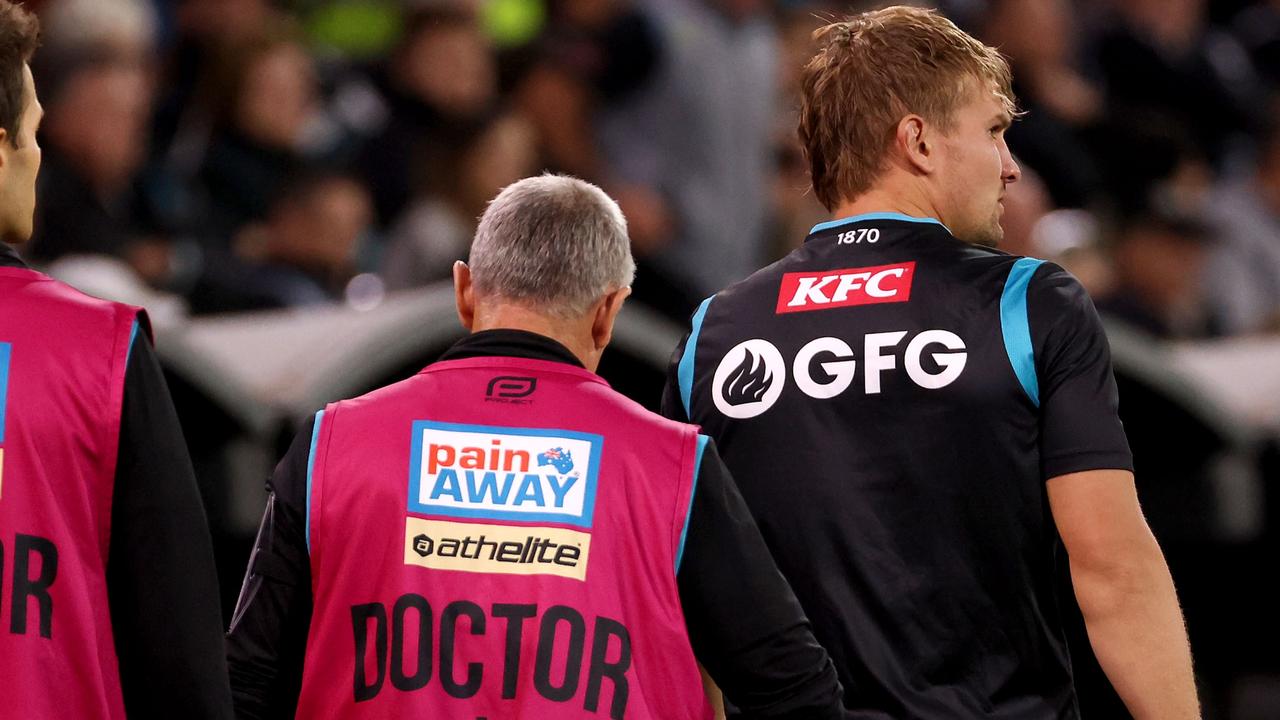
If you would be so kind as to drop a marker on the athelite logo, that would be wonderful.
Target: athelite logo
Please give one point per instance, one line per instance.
(804, 291)
(517, 480)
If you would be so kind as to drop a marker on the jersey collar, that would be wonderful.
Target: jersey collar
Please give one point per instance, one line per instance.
(511, 343)
(841, 222)
(10, 258)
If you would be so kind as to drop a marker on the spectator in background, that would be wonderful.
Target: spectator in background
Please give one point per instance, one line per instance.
(266, 92)
(1038, 37)
(1160, 181)
(302, 253)
(1243, 272)
(1159, 257)
(795, 208)
(461, 172)
(1150, 152)
(699, 134)
(203, 30)
(1161, 57)
(1257, 27)
(443, 73)
(594, 57)
(94, 75)
(593, 54)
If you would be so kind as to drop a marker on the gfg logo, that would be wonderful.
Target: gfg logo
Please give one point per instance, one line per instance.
(750, 377)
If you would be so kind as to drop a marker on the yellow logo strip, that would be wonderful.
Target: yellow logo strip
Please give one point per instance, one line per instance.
(504, 549)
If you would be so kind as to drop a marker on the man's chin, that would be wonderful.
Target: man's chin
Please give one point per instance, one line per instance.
(986, 237)
(18, 233)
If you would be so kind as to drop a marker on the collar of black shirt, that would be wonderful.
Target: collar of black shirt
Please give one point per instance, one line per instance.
(510, 343)
(9, 257)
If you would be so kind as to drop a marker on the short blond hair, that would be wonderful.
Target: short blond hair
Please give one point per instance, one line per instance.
(871, 71)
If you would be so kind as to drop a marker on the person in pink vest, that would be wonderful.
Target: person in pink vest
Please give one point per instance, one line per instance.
(108, 595)
(504, 536)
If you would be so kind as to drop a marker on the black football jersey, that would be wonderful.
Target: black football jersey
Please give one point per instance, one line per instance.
(891, 401)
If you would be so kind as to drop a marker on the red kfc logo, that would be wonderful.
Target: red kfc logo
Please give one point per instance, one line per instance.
(803, 291)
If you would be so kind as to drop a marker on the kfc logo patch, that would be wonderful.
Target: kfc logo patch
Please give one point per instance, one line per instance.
(802, 291)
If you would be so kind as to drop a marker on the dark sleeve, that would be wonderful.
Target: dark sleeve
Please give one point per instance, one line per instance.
(672, 404)
(268, 635)
(745, 624)
(162, 587)
(1079, 425)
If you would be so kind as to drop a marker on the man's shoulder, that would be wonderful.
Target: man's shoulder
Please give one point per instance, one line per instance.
(975, 265)
(57, 305)
(595, 395)
(1050, 282)
(378, 399)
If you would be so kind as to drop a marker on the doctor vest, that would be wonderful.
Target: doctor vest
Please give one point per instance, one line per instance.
(62, 368)
(498, 538)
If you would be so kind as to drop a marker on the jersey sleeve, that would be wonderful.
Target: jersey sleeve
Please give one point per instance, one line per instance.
(266, 643)
(677, 398)
(744, 621)
(672, 405)
(162, 586)
(1080, 427)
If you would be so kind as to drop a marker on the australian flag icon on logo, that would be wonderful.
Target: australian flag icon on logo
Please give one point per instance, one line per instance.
(558, 458)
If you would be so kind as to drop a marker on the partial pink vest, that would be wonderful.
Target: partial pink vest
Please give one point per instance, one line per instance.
(497, 538)
(62, 365)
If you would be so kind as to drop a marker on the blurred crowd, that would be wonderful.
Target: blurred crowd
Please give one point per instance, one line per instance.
(240, 154)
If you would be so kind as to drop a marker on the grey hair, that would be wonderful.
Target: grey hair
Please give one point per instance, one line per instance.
(554, 242)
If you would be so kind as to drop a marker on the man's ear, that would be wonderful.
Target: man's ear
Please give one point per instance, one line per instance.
(464, 294)
(917, 141)
(606, 315)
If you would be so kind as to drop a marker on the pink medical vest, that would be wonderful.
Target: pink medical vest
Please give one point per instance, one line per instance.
(498, 538)
(62, 367)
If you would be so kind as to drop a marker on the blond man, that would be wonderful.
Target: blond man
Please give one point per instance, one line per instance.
(919, 422)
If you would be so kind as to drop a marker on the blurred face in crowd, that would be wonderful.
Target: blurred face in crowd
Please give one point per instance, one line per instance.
(19, 164)
(505, 153)
(322, 230)
(588, 13)
(1162, 265)
(973, 168)
(221, 18)
(1031, 32)
(99, 122)
(278, 96)
(740, 9)
(451, 68)
(1174, 23)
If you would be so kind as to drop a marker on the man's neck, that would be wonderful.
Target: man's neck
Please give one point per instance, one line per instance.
(878, 200)
(509, 316)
